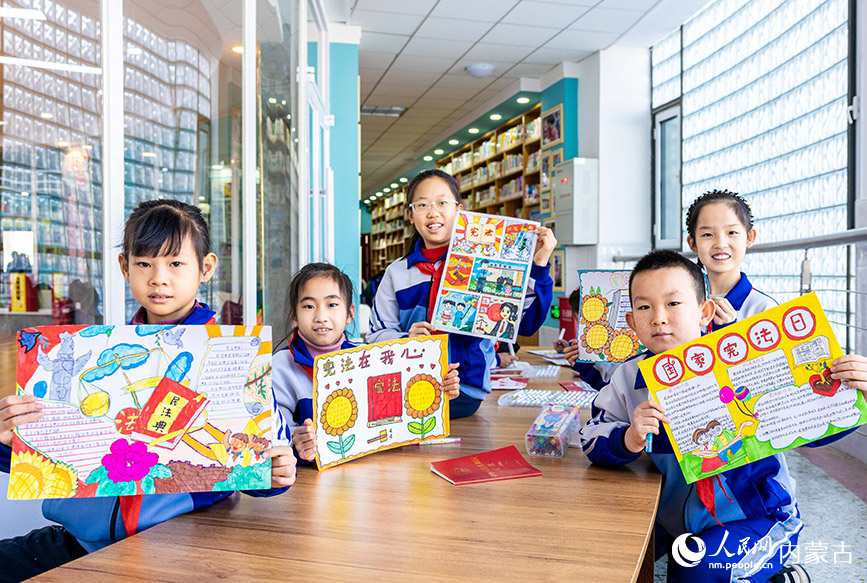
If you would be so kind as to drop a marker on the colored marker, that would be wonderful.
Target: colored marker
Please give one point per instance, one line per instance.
(649, 447)
(562, 333)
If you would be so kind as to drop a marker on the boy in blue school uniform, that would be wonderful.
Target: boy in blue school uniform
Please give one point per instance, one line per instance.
(755, 503)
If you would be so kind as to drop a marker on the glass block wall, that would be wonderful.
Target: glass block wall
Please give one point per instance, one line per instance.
(764, 101)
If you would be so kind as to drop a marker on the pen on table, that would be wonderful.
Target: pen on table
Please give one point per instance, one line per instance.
(649, 445)
(441, 441)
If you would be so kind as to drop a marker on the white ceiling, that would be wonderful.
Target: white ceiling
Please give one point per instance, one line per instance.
(413, 54)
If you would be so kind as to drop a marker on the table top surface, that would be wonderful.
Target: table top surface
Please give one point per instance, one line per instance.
(388, 517)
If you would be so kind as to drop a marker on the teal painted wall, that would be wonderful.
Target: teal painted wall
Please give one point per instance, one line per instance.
(563, 92)
(345, 160)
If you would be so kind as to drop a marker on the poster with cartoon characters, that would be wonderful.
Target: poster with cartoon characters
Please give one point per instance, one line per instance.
(602, 332)
(486, 276)
(753, 389)
(143, 410)
(379, 396)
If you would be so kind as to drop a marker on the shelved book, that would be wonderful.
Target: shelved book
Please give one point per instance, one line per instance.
(499, 464)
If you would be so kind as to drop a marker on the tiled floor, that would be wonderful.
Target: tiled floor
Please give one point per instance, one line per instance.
(832, 512)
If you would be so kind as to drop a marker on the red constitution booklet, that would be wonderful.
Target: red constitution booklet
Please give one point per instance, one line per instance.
(500, 464)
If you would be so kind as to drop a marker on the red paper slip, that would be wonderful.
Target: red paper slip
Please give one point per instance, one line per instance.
(500, 464)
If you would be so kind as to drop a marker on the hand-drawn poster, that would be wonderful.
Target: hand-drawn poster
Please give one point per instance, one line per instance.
(379, 396)
(603, 334)
(486, 276)
(143, 410)
(753, 389)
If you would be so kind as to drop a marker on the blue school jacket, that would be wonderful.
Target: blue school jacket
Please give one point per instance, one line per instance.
(747, 301)
(402, 300)
(97, 522)
(292, 382)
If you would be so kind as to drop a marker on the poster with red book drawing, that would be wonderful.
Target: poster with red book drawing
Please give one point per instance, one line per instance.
(379, 396)
(143, 410)
(486, 276)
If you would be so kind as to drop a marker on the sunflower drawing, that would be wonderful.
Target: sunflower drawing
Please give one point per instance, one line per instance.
(339, 413)
(593, 308)
(35, 476)
(422, 398)
(623, 344)
(596, 337)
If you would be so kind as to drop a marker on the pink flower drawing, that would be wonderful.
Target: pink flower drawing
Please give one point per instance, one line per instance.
(128, 462)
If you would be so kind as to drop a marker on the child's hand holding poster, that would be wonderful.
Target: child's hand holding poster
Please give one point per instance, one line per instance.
(486, 275)
(143, 410)
(379, 396)
(602, 332)
(753, 389)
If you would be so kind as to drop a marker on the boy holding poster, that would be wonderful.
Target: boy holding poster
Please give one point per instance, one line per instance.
(747, 518)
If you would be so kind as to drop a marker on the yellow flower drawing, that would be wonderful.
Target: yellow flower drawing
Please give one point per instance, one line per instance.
(593, 308)
(35, 476)
(624, 343)
(596, 338)
(423, 396)
(339, 412)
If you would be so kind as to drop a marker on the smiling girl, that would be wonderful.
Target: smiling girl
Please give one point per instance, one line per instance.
(405, 298)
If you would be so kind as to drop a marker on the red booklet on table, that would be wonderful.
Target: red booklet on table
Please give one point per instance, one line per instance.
(500, 464)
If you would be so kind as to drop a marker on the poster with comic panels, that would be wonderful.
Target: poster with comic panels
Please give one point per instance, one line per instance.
(752, 389)
(379, 396)
(602, 332)
(143, 410)
(486, 276)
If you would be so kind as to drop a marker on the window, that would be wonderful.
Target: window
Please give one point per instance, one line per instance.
(667, 200)
(763, 91)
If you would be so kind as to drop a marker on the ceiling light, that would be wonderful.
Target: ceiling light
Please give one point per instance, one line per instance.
(382, 110)
(296, 140)
(23, 13)
(523, 100)
(149, 154)
(164, 169)
(217, 167)
(480, 69)
(272, 100)
(46, 115)
(496, 117)
(439, 152)
(427, 158)
(454, 142)
(404, 179)
(25, 193)
(386, 190)
(288, 116)
(473, 130)
(283, 102)
(379, 193)
(394, 185)
(238, 49)
(62, 143)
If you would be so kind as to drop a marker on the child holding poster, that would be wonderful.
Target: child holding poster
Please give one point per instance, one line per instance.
(408, 293)
(319, 307)
(719, 226)
(755, 502)
(166, 256)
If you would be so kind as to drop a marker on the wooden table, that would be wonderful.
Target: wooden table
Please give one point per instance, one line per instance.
(387, 517)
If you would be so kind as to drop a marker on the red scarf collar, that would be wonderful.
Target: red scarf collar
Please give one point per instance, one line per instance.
(436, 273)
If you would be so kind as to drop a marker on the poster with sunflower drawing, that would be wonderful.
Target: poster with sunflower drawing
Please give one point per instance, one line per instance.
(602, 332)
(486, 274)
(379, 396)
(143, 410)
